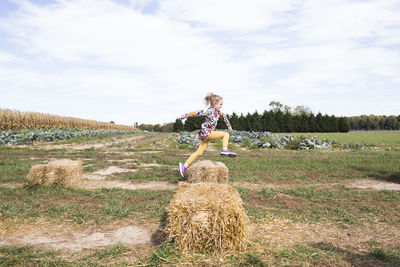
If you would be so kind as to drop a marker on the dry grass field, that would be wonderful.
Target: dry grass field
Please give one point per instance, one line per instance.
(306, 208)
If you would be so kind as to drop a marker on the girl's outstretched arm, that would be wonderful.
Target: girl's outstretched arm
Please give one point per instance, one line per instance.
(228, 124)
(200, 113)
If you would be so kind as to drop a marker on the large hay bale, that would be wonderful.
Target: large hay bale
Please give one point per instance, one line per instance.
(63, 172)
(207, 171)
(207, 217)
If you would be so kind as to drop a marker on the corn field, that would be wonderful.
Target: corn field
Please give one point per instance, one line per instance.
(17, 120)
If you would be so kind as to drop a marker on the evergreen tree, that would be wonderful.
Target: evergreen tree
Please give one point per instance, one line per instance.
(267, 121)
(234, 120)
(279, 121)
(249, 123)
(333, 124)
(343, 125)
(304, 125)
(313, 126)
(242, 123)
(178, 126)
(287, 122)
(319, 119)
(325, 124)
(256, 121)
(274, 123)
(193, 123)
(296, 123)
(221, 124)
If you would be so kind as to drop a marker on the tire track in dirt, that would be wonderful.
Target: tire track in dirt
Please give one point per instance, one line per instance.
(125, 185)
(75, 238)
(366, 184)
(131, 141)
(287, 233)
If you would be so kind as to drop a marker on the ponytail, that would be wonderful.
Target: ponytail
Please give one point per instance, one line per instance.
(211, 99)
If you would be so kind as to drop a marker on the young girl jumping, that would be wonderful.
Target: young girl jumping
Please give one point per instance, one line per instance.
(207, 132)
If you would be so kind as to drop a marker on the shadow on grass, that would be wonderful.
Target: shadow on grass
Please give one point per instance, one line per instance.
(376, 257)
(390, 176)
(159, 237)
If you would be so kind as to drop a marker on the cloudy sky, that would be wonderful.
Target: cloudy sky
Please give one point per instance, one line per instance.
(149, 61)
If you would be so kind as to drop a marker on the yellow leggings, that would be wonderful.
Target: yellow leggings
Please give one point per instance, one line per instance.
(203, 145)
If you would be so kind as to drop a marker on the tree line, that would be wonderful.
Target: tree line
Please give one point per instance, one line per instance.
(273, 121)
(373, 122)
(283, 118)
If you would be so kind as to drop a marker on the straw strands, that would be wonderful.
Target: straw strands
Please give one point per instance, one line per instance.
(207, 217)
(17, 120)
(207, 171)
(63, 172)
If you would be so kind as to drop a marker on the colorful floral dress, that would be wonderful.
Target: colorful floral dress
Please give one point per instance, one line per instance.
(212, 115)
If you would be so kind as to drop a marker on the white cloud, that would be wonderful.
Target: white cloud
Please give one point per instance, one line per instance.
(4, 57)
(162, 63)
(344, 20)
(231, 15)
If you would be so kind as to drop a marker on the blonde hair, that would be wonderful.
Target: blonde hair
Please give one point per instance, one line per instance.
(212, 99)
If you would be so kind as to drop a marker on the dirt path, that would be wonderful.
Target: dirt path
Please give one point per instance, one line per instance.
(274, 231)
(102, 144)
(130, 141)
(73, 238)
(97, 180)
(11, 184)
(361, 184)
(87, 184)
(102, 174)
(374, 184)
(286, 233)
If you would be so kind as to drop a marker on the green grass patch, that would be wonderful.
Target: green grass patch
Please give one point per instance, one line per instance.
(152, 174)
(165, 159)
(248, 259)
(81, 206)
(164, 255)
(314, 189)
(29, 256)
(300, 252)
(110, 252)
(309, 204)
(322, 166)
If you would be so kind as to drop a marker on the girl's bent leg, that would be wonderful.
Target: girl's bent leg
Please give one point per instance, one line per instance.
(220, 135)
(200, 150)
(225, 140)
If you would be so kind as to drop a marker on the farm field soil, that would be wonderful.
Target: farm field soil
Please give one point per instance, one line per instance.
(330, 208)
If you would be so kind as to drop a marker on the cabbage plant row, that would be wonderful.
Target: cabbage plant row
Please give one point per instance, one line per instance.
(268, 140)
(20, 137)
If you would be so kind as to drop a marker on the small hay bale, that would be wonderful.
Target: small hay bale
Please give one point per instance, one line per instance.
(207, 217)
(207, 171)
(63, 172)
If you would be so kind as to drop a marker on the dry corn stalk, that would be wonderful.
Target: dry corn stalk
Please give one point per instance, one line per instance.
(17, 120)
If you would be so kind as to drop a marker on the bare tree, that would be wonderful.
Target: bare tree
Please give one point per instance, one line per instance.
(275, 106)
(299, 110)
